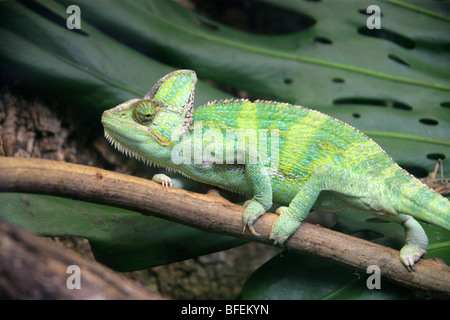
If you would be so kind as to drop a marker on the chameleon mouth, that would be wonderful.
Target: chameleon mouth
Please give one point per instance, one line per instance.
(125, 150)
(131, 153)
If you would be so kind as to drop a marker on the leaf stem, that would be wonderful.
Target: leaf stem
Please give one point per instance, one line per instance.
(418, 9)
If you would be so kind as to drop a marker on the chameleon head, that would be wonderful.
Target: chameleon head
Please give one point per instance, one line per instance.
(128, 127)
(146, 128)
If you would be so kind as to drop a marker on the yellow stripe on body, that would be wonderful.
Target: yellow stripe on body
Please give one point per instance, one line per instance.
(247, 118)
(301, 146)
(247, 125)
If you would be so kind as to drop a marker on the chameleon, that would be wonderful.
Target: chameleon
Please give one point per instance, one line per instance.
(308, 161)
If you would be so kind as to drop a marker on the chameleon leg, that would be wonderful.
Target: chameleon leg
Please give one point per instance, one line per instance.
(291, 217)
(262, 199)
(416, 239)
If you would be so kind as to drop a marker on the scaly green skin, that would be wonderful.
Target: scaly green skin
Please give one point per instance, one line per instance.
(322, 163)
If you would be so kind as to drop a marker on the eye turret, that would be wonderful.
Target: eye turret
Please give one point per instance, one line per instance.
(143, 112)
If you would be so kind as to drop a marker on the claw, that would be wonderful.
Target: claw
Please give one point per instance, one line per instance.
(278, 241)
(280, 210)
(252, 230)
(167, 184)
(408, 263)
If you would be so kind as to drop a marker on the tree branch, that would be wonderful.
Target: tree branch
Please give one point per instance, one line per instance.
(33, 268)
(212, 213)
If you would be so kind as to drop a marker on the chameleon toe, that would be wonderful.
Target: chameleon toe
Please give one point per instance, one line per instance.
(252, 230)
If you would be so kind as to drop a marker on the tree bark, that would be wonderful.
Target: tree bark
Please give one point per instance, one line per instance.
(33, 268)
(212, 213)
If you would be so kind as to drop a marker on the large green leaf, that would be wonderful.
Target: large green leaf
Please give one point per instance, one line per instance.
(122, 239)
(305, 277)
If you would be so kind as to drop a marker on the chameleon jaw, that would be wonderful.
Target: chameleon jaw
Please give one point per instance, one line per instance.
(125, 150)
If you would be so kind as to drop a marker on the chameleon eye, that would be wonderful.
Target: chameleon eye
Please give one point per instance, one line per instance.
(143, 112)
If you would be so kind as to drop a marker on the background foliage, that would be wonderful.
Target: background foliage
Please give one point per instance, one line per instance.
(392, 83)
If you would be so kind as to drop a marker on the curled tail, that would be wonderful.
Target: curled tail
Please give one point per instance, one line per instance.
(424, 204)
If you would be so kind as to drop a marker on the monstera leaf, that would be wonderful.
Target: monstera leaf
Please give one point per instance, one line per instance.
(310, 278)
(84, 68)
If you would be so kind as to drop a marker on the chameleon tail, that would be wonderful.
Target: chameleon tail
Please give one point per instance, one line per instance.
(424, 204)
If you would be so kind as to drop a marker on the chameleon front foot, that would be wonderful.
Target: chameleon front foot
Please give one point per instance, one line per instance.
(253, 210)
(164, 180)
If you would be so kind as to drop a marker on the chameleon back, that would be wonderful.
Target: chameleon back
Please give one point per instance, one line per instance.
(307, 138)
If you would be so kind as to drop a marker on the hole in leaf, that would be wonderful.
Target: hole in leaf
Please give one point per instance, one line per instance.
(400, 105)
(394, 37)
(415, 171)
(376, 220)
(436, 156)
(287, 80)
(254, 16)
(49, 15)
(356, 115)
(398, 59)
(338, 80)
(322, 40)
(428, 121)
(365, 101)
(445, 104)
(368, 235)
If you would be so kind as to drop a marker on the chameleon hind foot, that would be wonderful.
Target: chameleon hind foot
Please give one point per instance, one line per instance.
(410, 254)
(416, 240)
(416, 243)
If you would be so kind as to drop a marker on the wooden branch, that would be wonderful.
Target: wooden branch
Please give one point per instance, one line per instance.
(33, 268)
(211, 213)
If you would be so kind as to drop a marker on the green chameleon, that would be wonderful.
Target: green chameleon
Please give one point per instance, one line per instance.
(300, 158)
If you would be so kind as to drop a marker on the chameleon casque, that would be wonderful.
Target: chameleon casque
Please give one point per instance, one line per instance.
(322, 163)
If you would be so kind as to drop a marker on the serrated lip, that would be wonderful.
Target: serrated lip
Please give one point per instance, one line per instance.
(125, 150)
